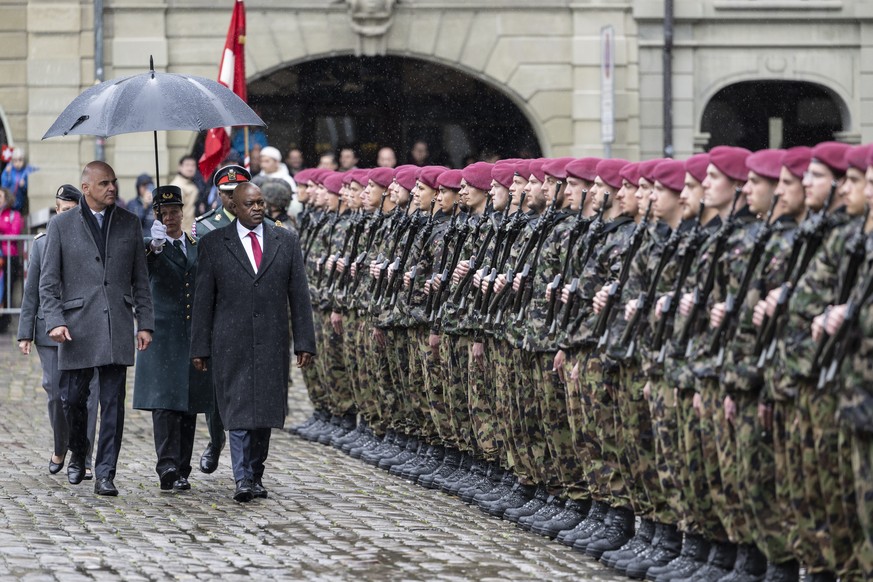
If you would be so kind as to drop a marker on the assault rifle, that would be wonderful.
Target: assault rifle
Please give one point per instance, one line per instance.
(444, 261)
(701, 296)
(396, 280)
(810, 234)
(502, 251)
(375, 225)
(331, 278)
(671, 302)
(726, 331)
(319, 267)
(646, 299)
(497, 233)
(601, 326)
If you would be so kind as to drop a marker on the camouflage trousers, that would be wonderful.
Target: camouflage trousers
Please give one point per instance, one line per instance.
(668, 452)
(405, 417)
(315, 381)
(568, 476)
(756, 478)
(862, 469)
(353, 365)
(718, 459)
(527, 417)
(482, 398)
(600, 383)
(454, 356)
(637, 440)
(432, 373)
(829, 530)
(411, 383)
(700, 517)
(789, 478)
(506, 382)
(373, 374)
(578, 406)
(338, 393)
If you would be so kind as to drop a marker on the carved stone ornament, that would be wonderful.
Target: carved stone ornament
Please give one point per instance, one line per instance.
(371, 20)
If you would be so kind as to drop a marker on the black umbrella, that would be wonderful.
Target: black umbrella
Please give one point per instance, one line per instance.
(153, 101)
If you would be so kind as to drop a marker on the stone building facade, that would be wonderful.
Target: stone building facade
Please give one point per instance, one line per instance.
(731, 59)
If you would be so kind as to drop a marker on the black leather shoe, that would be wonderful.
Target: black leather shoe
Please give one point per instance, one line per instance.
(88, 474)
(54, 468)
(209, 459)
(76, 469)
(168, 477)
(105, 486)
(243, 491)
(181, 484)
(258, 490)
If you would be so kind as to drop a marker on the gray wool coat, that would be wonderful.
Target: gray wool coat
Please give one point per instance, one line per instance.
(31, 322)
(95, 299)
(241, 323)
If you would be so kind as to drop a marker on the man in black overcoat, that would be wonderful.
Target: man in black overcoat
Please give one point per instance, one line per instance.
(250, 283)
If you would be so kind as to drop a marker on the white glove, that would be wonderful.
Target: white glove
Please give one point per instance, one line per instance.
(159, 235)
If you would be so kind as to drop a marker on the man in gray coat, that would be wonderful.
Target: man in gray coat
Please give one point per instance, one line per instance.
(94, 279)
(250, 281)
(31, 331)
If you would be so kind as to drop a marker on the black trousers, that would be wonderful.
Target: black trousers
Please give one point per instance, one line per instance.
(174, 440)
(75, 389)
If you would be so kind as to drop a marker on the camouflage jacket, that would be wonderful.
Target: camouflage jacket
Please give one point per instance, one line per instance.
(547, 263)
(856, 388)
(740, 371)
(815, 291)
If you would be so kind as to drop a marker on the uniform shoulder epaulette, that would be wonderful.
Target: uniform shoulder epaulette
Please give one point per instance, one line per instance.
(205, 216)
(191, 239)
(279, 224)
(39, 236)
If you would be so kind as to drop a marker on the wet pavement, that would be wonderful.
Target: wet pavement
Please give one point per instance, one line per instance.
(328, 517)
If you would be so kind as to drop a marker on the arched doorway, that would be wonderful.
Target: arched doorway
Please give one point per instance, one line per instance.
(762, 114)
(368, 103)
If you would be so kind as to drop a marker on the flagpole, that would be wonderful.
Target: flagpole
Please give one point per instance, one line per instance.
(246, 146)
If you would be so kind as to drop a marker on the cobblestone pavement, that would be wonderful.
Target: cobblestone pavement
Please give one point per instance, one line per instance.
(329, 517)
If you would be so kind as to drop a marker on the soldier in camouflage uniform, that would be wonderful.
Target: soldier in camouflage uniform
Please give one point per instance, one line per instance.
(799, 405)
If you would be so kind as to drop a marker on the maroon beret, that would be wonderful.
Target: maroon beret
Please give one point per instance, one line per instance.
(536, 169)
(405, 176)
(319, 174)
(696, 166)
(522, 168)
(832, 154)
(429, 174)
(334, 182)
(671, 174)
(451, 179)
(797, 160)
(631, 173)
(647, 168)
(381, 176)
(303, 176)
(478, 175)
(359, 176)
(766, 163)
(503, 172)
(610, 171)
(730, 161)
(583, 168)
(856, 157)
(557, 167)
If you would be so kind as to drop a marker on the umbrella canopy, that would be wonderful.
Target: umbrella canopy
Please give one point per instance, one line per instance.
(153, 101)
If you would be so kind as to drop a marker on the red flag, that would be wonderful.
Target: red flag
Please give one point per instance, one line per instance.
(231, 74)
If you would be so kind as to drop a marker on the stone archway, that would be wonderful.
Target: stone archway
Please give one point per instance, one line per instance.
(773, 113)
(368, 102)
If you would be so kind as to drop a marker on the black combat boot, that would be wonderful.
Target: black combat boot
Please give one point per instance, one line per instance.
(641, 542)
(408, 452)
(695, 550)
(665, 550)
(574, 512)
(518, 496)
(476, 473)
(463, 468)
(503, 488)
(419, 456)
(482, 483)
(449, 465)
(722, 557)
(429, 465)
(783, 572)
(531, 506)
(554, 505)
(579, 536)
(614, 536)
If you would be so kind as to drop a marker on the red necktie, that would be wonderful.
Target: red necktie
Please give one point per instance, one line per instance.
(256, 250)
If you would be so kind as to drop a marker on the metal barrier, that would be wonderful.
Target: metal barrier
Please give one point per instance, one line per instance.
(14, 271)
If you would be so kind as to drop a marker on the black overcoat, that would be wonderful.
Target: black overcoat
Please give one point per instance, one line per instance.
(165, 377)
(241, 319)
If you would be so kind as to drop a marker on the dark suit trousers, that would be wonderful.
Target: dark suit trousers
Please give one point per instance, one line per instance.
(51, 382)
(75, 390)
(215, 426)
(248, 451)
(174, 440)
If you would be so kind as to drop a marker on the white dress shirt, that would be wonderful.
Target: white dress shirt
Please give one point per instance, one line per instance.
(246, 240)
